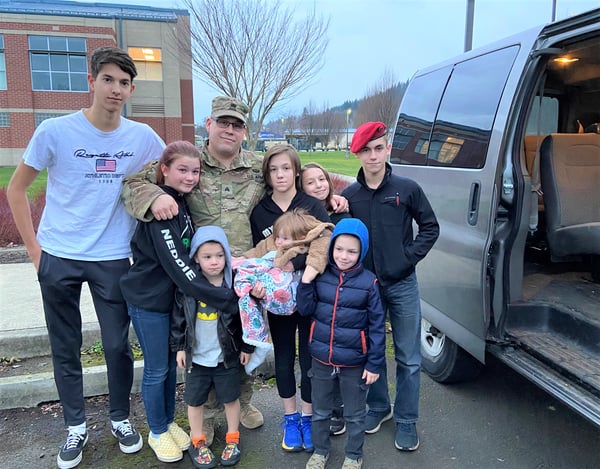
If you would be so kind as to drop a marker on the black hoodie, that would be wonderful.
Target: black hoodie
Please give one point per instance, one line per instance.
(161, 263)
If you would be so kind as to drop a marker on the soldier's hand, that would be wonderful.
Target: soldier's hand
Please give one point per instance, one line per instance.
(164, 207)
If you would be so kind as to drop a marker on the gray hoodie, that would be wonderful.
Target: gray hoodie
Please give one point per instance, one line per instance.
(214, 233)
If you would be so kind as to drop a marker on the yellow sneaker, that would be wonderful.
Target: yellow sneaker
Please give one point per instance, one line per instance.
(251, 417)
(181, 438)
(165, 448)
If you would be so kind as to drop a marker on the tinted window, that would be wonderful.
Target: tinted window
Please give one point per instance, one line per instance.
(417, 113)
(463, 125)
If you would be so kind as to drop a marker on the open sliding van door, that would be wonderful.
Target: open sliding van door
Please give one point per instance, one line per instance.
(449, 138)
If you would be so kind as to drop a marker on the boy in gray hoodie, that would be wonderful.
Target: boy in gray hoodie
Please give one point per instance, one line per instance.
(209, 345)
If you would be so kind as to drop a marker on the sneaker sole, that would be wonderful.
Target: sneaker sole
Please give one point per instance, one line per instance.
(402, 448)
(69, 464)
(165, 458)
(230, 462)
(341, 431)
(384, 419)
(130, 449)
(168, 459)
(74, 462)
(292, 449)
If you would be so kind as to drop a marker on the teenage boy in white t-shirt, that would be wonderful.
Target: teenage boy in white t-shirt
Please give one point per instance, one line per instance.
(84, 236)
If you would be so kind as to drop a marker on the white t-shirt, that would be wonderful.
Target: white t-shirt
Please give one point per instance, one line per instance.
(84, 218)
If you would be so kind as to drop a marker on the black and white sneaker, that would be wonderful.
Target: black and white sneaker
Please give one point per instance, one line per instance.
(130, 441)
(70, 453)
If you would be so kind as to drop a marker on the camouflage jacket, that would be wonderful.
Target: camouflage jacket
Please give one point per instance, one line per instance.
(224, 197)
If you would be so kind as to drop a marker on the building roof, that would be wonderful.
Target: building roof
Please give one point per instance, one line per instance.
(94, 10)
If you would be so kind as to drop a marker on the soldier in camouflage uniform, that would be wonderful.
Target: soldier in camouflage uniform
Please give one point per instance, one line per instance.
(231, 184)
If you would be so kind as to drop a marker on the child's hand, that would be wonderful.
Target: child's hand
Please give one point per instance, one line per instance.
(289, 267)
(180, 358)
(245, 358)
(258, 291)
(369, 377)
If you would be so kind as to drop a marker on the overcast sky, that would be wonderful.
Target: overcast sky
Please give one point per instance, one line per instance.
(367, 37)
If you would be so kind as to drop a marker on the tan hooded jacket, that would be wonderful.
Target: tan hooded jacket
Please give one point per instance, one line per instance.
(315, 244)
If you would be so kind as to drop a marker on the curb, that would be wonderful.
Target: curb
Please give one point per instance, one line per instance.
(33, 342)
(31, 390)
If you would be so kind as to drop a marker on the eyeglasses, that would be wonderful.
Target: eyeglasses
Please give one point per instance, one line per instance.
(224, 124)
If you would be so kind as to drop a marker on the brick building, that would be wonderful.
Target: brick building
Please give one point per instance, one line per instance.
(45, 46)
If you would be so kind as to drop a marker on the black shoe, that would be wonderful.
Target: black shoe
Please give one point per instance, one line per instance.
(337, 425)
(407, 438)
(375, 419)
(70, 453)
(231, 454)
(130, 441)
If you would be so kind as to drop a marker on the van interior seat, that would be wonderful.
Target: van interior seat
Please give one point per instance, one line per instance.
(530, 146)
(570, 178)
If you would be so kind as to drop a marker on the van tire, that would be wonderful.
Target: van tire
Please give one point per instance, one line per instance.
(443, 360)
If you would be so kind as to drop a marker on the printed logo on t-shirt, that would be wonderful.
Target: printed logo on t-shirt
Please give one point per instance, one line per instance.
(106, 166)
(205, 315)
(105, 169)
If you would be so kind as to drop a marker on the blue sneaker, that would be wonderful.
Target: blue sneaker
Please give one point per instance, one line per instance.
(292, 437)
(306, 430)
(374, 420)
(407, 438)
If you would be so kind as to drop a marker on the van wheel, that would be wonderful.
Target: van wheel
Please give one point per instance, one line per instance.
(443, 360)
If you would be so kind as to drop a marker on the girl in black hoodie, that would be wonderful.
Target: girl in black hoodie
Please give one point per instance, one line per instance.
(161, 264)
(281, 170)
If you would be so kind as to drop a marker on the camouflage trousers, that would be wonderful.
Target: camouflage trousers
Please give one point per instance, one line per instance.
(213, 408)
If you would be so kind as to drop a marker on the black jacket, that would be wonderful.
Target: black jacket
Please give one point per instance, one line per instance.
(229, 330)
(388, 212)
(266, 212)
(161, 263)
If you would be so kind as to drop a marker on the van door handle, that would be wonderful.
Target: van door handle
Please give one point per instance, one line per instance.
(474, 203)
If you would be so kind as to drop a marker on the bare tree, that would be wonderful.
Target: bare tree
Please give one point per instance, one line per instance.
(309, 123)
(290, 122)
(256, 50)
(332, 123)
(382, 101)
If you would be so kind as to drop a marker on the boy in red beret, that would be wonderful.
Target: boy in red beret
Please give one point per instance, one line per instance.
(388, 204)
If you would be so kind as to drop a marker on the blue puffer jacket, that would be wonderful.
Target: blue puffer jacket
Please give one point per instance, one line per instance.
(347, 318)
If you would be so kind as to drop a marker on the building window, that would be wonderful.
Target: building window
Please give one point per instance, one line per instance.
(4, 119)
(58, 63)
(148, 61)
(2, 64)
(39, 117)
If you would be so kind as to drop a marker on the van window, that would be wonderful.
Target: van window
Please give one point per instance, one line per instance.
(463, 125)
(458, 133)
(417, 112)
(548, 121)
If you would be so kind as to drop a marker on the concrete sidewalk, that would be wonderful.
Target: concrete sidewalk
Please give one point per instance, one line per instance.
(23, 331)
(23, 334)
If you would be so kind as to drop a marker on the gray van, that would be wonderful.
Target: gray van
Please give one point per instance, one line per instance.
(504, 141)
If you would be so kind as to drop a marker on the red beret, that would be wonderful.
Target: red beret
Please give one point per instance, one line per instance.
(365, 133)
